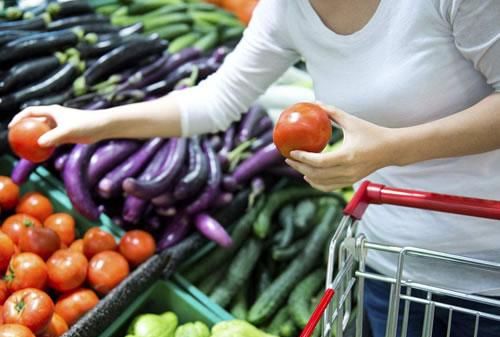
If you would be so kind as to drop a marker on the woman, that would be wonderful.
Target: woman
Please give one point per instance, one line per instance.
(419, 81)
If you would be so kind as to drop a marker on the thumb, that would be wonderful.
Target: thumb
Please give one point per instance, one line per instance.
(53, 137)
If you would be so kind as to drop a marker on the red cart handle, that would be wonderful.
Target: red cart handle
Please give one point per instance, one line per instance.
(316, 316)
(370, 193)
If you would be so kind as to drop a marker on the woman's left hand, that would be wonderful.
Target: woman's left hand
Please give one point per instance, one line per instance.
(366, 148)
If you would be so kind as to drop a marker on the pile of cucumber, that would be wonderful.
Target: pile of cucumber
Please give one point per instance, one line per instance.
(274, 273)
(184, 23)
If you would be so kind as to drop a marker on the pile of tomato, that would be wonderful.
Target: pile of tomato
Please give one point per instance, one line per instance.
(49, 277)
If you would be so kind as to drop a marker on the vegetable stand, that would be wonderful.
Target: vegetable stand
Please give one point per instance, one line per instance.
(347, 267)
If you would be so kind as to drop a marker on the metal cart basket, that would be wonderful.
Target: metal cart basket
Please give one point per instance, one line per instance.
(346, 271)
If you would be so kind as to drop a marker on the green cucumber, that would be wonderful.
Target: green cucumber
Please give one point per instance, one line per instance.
(107, 9)
(161, 21)
(278, 320)
(208, 284)
(288, 329)
(121, 11)
(286, 221)
(264, 279)
(202, 6)
(239, 309)
(207, 42)
(183, 41)
(304, 215)
(216, 18)
(276, 295)
(288, 253)
(143, 7)
(239, 271)
(219, 256)
(299, 300)
(172, 31)
(232, 33)
(176, 8)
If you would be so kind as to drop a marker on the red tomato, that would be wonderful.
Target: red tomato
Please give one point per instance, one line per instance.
(1, 314)
(137, 246)
(303, 126)
(64, 225)
(96, 240)
(67, 270)
(9, 194)
(4, 292)
(23, 139)
(26, 270)
(57, 327)
(14, 225)
(7, 249)
(15, 330)
(77, 246)
(40, 241)
(106, 270)
(30, 307)
(73, 305)
(36, 205)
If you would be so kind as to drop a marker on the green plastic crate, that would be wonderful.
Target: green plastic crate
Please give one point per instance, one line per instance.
(161, 297)
(42, 181)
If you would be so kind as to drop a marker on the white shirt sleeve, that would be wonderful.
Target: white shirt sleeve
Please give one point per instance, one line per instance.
(264, 53)
(476, 30)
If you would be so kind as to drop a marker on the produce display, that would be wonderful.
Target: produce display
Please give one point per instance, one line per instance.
(49, 277)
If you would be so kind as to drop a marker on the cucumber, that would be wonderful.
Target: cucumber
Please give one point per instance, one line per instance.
(161, 21)
(107, 9)
(286, 220)
(278, 320)
(120, 12)
(175, 8)
(239, 309)
(288, 253)
(262, 225)
(264, 280)
(299, 300)
(207, 42)
(239, 271)
(304, 215)
(219, 256)
(232, 33)
(172, 31)
(276, 295)
(143, 7)
(211, 281)
(288, 329)
(216, 18)
(183, 42)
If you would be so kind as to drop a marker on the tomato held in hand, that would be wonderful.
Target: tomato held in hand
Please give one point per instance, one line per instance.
(15, 225)
(23, 140)
(96, 240)
(9, 194)
(64, 225)
(15, 330)
(137, 246)
(67, 270)
(303, 126)
(26, 270)
(57, 327)
(7, 249)
(30, 307)
(40, 241)
(73, 305)
(106, 270)
(77, 246)
(36, 205)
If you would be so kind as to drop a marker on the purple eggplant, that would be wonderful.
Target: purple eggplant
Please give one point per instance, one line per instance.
(60, 161)
(285, 171)
(263, 140)
(108, 156)
(164, 200)
(212, 190)
(261, 160)
(216, 141)
(249, 123)
(152, 69)
(220, 54)
(153, 224)
(193, 181)
(111, 184)
(162, 182)
(223, 199)
(265, 125)
(166, 211)
(22, 171)
(75, 181)
(174, 232)
(212, 230)
(227, 147)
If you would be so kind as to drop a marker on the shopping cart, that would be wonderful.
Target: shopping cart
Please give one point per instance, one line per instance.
(350, 271)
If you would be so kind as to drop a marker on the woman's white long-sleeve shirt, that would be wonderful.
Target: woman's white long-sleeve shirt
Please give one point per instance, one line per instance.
(412, 63)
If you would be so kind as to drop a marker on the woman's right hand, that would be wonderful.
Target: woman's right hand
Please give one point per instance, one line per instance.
(67, 125)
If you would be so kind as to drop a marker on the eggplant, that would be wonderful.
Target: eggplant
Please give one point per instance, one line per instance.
(223, 199)
(111, 184)
(164, 200)
(69, 8)
(216, 141)
(250, 123)
(261, 160)
(195, 179)
(153, 224)
(60, 161)
(75, 180)
(98, 28)
(11, 35)
(212, 230)
(212, 190)
(22, 171)
(174, 232)
(162, 182)
(136, 28)
(120, 58)
(74, 21)
(38, 23)
(28, 72)
(108, 156)
(99, 48)
(98, 104)
(58, 98)
(265, 124)
(263, 140)
(60, 79)
(220, 54)
(285, 171)
(146, 71)
(227, 147)
(39, 44)
(4, 140)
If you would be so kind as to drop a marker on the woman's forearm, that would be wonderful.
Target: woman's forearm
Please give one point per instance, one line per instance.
(471, 131)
